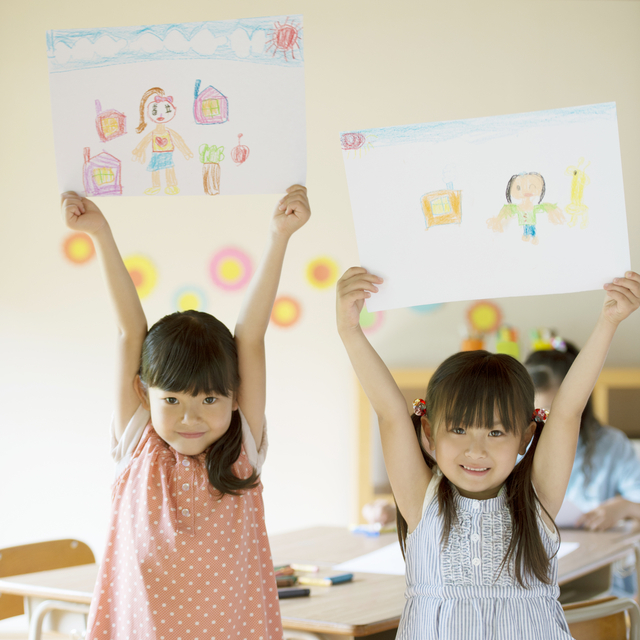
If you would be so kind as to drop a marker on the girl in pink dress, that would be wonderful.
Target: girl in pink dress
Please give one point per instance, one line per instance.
(187, 554)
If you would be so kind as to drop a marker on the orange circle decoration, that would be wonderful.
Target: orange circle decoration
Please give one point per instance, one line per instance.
(285, 312)
(78, 248)
(143, 274)
(322, 272)
(230, 269)
(484, 317)
(370, 321)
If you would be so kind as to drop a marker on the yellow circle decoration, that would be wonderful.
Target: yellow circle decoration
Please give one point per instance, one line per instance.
(322, 272)
(190, 299)
(78, 248)
(484, 317)
(230, 269)
(143, 274)
(370, 321)
(285, 312)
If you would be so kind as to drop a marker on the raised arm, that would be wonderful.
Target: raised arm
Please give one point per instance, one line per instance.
(556, 449)
(408, 472)
(83, 215)
(291, 213)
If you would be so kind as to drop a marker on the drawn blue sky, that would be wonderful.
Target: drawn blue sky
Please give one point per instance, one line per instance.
(244, 40)
(481, 129)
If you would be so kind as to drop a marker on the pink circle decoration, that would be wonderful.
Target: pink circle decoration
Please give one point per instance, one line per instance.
(230, 269)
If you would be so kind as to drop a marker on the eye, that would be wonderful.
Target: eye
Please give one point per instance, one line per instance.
(209, 400)
(154, 110)
(167, 108)
(458, 430)
(495, 433)
(171, 400)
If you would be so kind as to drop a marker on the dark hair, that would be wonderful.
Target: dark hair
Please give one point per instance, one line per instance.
(193, 352)
(548, 369)
(466, 390)
(518, 175)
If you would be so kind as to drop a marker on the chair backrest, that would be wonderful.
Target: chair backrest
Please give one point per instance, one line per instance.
(39, 556)
(603, 619)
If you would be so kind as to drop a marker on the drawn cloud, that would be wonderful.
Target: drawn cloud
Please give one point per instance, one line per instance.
(84, 49)
(204, 42)
(243, 45)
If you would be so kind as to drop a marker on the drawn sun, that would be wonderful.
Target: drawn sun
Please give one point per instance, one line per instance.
(284, 37)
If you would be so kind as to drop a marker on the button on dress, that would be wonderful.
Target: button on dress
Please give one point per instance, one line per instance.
(458, 592)
(181, 562)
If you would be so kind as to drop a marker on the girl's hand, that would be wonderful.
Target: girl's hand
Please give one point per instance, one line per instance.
(139, 154)
(81, 214)
(292, 211)
(606, 515)
(622, 298)
(352, 290)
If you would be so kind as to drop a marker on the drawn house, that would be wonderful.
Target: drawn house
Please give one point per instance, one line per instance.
(442, 207)
(101, 174)
(110, 123)
(209, 106)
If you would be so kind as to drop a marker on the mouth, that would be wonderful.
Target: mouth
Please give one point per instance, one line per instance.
(191, 435)
(160, 118)
(475, 471)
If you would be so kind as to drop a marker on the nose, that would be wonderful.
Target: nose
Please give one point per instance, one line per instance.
(476, 449)
(190, 416)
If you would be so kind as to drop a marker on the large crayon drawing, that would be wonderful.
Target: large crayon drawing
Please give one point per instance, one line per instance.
(160, 110)
(521, 204)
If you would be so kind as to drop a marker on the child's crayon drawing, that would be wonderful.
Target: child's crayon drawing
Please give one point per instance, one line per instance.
(576, 208)
(525, 185)
(176, 81)
(101, 174)
(211, 157)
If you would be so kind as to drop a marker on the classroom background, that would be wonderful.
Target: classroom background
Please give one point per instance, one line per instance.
(368, 64)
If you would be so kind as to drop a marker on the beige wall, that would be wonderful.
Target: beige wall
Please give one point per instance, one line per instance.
(368, 64)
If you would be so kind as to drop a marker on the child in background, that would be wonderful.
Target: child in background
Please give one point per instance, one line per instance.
(476, 529)
(605, 479)
(187, 553)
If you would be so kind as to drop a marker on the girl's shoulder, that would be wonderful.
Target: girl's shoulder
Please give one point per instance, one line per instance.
(123, 449)
(432, 488)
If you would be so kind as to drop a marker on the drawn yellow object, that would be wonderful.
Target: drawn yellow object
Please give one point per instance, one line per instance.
(576, 208)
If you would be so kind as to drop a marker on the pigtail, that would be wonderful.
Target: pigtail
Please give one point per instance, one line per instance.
(155, 90)
(221, 457)
(526, 551)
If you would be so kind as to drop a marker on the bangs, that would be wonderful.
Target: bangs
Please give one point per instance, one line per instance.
(476, 388)
(190, 354)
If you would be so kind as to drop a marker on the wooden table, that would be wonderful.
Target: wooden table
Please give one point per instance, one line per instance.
(369, 606)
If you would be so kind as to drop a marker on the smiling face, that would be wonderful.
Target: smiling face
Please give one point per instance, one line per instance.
(477, 460)
(189, 424)
(526, 187)
(161, 112)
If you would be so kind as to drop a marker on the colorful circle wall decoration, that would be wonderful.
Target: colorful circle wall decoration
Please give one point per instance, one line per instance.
(230, 269)
(322, 272)
(484, 317)
(190, 299)
(370, 321)
(78, 248)
(143, 273)
(423, 309)
(285, 312)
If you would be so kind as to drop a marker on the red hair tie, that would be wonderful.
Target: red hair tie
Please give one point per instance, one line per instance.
(419, 407)
(158, 98)
(540, 415)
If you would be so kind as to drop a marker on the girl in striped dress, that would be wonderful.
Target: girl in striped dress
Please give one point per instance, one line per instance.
(187, 554)
(476, 528)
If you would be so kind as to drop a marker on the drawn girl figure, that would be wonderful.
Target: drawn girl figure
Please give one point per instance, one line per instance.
(525, 192)
(160, 110)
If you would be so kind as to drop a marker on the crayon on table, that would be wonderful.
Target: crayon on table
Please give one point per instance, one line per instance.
(326, 582)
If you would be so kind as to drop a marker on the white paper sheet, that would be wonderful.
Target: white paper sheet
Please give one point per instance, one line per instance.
(566, 548)
(424, 196)
(225, 79)
(568, 514)
(387, 560)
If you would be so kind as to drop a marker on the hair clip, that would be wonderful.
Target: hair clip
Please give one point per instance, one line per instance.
(419, 407)
(540, 415)
(559, 344)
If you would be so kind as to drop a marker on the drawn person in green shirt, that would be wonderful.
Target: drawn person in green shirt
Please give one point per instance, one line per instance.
(525, 192)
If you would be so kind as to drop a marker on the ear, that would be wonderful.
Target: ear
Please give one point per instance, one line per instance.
(526, 437)
(426, 429)
(141, 391)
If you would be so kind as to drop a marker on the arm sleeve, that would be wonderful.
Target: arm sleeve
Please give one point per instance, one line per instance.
(627, 469)
(256, 456)
(122, 450)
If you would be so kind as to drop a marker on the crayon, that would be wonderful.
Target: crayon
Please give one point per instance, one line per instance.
(308, 568)
(293, 592)
(326, 582)
(286, 581)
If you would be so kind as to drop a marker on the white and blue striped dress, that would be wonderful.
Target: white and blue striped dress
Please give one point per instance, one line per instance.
(459, 593)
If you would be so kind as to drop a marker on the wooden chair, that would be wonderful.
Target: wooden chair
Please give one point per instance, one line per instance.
(603, 619)
(39, 556)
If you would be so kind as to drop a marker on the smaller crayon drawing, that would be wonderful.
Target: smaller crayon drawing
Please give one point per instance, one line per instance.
(101, 174)
(78, 248)
(211, 156)
(522, 191)
(284, 37)
(190, 299)
(240, 153)
(209, 106)
(110, 124)
(230, 269)
(143, 274)
(442, 207)
(356, 142)
(371, 321)
(576, 208)
(159, 108)
(322, 272)
(285, 312)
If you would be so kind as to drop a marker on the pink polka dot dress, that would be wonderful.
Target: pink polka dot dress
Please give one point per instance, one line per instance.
(181, 563)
